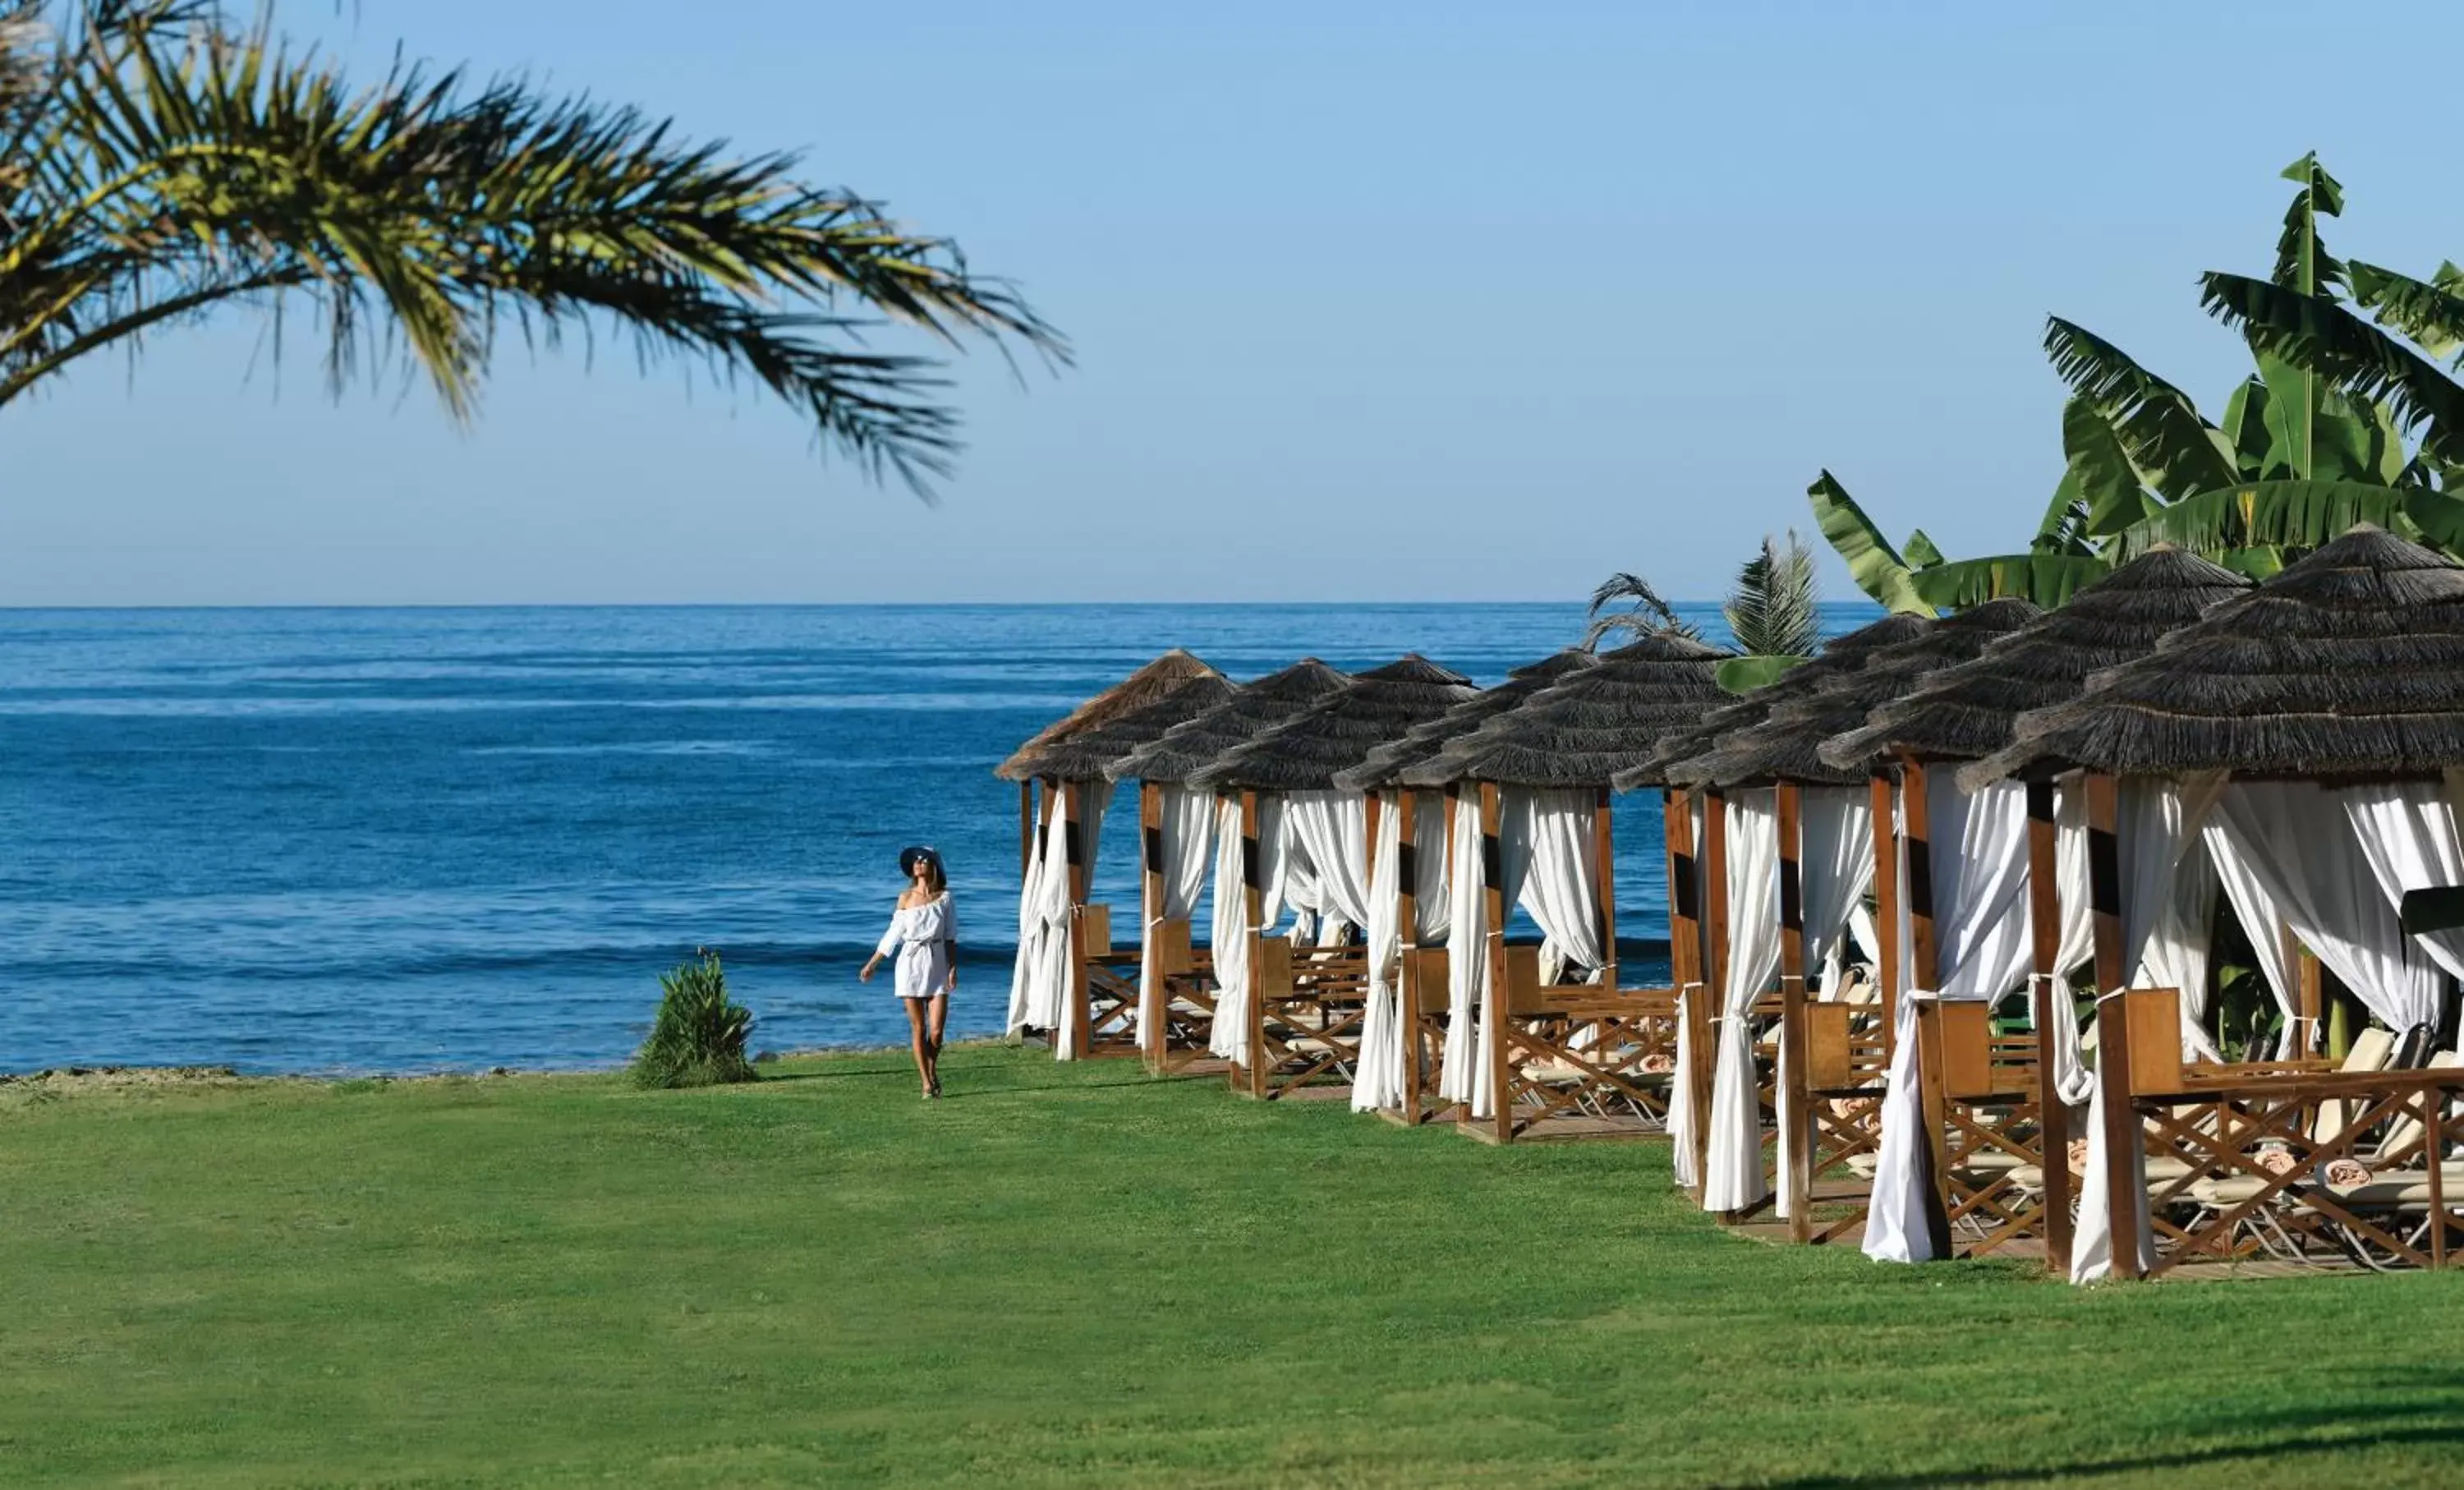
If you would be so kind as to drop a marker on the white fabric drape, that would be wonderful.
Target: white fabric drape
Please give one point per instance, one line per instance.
(1331, 831)
(1545, 839)
(1681, 1101)
(2262, 920)
(1186, 829)
(1094, 798)
(1733, 1168)
(1229, 933)
(1835, 869)
(1379, 1082)
(1041, 967)
(1983, 948)
(1466, 953)
(2297, 839)
(2407, 832)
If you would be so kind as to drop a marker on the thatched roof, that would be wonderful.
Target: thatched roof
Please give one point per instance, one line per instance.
(1783, 747)
(1384, 765)
(1257, 708)
(1086, 756)
(1148, 684)
(2349, 664)
(1304, 753)
(1589, 725)
(1969, 711)
(1674, 752)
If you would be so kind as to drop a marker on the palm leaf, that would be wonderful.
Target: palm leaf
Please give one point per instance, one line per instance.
(1772, 609)
(2322, 337)
(1872, 562)
(1744, 675)
(1648, 613)
(2176, 449)
(2296, 515)
(2049, 580)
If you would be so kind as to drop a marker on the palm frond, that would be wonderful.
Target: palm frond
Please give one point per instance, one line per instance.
(180, 167)
(1772, 609)
(1636, 623)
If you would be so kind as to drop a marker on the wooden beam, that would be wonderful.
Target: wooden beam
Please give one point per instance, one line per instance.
(1073, 830)
(1604, 854)
(1685, 912)
(1924, 967)
(2122, 1135)
(1887, 902)
(1707, 1003)
(1795, 1107)
(1025, 828)
(2053, 1117)
(1152, 1033)
(1494, 1017)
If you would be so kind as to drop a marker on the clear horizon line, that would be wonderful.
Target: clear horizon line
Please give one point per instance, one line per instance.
(354, 605)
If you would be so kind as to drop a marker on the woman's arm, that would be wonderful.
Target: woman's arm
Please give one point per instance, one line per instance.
(888, 947)
(950, 925)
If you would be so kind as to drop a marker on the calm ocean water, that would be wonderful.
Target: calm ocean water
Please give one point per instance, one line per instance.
(450, 840)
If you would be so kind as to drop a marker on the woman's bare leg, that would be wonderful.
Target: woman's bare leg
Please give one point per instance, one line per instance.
(937, 1019)
(920, 1042)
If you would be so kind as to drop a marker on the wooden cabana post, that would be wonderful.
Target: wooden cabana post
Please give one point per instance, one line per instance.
(1253, 1078)
(1025, 828)
(1074, 833)
(1154, 1035)
(1604, 856)
(2045, 933)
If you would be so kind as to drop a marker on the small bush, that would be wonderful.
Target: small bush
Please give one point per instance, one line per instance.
(699, 1038)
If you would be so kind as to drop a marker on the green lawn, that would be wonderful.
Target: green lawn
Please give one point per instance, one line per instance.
(1073, 1275)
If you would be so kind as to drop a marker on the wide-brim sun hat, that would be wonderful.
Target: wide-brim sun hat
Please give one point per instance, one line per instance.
(914, 854)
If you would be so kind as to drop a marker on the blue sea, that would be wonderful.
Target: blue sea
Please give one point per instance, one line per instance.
(451, 840)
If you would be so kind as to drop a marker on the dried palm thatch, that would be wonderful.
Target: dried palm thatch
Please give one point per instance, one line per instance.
(1783, 747)
(1151, 684)
(2349, 664)
(1587, 726)
(1086, 756)
(1673, 753)
(1384, 765)
(1969, 711)
(1304, 753)
(1193, 744)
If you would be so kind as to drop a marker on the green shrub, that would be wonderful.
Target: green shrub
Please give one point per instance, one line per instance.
(699, 1038)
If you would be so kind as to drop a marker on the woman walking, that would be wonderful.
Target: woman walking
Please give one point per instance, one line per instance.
(924, 936)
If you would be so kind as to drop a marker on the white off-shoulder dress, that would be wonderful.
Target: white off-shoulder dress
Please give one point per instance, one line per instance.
(923, 936)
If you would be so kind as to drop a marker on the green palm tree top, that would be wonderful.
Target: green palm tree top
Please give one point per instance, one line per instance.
(157, 163)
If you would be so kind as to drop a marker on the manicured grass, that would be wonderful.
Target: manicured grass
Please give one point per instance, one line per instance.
(1073, 1275)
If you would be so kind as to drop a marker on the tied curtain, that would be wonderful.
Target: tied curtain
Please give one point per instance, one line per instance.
(1039, 984)
(1185, 832)
(1983, 950)
(1546, 866)
(1681, 1103)
(1836, 869)
(1229, 930)
(1732, 1165)
(1383, 1049)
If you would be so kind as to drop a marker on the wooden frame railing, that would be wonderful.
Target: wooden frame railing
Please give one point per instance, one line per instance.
(1576, 1057)
(2242, 1165)
(1306, 1012)
(1836, 1092)
(1180, 1040)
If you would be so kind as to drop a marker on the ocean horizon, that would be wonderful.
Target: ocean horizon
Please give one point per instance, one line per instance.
(345, 840)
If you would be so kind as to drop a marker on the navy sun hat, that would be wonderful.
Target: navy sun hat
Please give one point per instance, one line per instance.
(914, 854)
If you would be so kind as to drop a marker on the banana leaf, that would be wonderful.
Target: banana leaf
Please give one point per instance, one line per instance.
(1873, 563)
(2319, 335)
(2050, 580)
(2107, 480)
(2297, 514)
(2176, 449)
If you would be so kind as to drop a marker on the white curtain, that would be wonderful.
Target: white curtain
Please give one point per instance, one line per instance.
(2168, 903)
(2297, 839)
(1043, 965)
(1681, 1101)
(1546, 839)
(1330, 829)
(1835, 869)
(2407, 831)
(1228, 1036)
(1466, 953)
(1187, 830)
(1732, 1169)
(1094, 798)
(1983, 948)
(2262, 920)
(1382, 1047)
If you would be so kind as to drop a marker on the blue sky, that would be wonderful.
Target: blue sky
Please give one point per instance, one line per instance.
(1376, 302)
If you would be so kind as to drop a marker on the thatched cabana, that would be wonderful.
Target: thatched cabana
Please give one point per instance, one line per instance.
(1299, 1021)
(2303, 733)
(1528, 1058)
(1404, 1027)
(1177, 824)
(1058, 983)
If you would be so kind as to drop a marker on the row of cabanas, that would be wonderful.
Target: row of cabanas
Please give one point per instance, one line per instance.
(1886, 869)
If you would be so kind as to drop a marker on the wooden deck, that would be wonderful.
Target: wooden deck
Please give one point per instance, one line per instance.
(1569, 1129)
